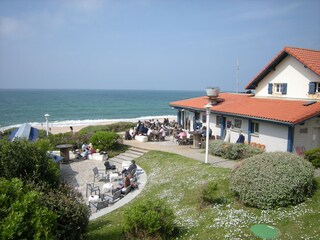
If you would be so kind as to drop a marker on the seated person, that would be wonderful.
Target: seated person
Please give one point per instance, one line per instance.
(124, 184)
(132, 167)
(86, 153)
(182, 135)
(204, 132)
(109, 166)
(127, 135)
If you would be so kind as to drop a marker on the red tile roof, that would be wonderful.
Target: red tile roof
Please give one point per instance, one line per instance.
(309, 58)
(244, 105)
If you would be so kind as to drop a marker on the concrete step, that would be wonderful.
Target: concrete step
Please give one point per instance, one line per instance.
(124, 158)
(139, 150)
(131, 154)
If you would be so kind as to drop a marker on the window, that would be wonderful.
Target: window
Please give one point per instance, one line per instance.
(218, 121)
(303, 130)
(314, 87)
(254, 127)
(237, 123)
(279, 88)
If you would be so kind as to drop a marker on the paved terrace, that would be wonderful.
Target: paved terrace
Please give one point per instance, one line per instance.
(79, 172)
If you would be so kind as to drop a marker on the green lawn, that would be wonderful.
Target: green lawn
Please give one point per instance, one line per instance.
(179, 180)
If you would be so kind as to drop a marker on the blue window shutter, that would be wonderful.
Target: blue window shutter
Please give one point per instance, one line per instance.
(284, 89)
(312, 87)
(270, 88)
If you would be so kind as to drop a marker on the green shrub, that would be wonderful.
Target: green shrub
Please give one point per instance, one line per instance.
(75, 139)
(273, 179)
(114, 127)
(215, 193)
(27, 161)
(218, 148)
(104, 140)
(313, 156)
(233, 151)
(22, 214)
(150, 219)
(73, 214)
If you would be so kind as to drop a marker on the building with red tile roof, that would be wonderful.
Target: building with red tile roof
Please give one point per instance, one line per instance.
(283, 114)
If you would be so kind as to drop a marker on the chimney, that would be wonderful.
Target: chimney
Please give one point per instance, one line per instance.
(213, 93)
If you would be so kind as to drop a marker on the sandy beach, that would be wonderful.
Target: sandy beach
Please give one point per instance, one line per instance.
(55, 129)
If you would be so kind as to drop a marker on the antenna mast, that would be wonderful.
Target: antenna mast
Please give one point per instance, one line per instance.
(238, 69)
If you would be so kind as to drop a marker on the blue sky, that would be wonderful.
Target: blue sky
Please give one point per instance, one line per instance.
(148, 44)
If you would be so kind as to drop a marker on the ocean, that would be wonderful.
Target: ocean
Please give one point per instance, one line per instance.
(85, 107)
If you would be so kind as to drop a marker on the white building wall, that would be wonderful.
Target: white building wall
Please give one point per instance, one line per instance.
(273, 136)
(292, 72)
(307, 136)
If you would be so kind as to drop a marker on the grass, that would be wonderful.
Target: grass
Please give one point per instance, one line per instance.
(179, 181)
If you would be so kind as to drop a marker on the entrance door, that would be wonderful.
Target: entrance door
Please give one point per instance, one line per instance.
(316, 137)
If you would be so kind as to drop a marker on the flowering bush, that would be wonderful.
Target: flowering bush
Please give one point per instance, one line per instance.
(273, 179)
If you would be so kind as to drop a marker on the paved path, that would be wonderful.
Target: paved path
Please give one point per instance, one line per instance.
(185, 150)
(80, 172)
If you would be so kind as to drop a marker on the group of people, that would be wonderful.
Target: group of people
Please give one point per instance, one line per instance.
(128, 176)
(87, 149)
(154, 129)
(182, 136)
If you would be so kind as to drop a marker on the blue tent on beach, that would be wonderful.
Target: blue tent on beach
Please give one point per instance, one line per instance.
(25, 131)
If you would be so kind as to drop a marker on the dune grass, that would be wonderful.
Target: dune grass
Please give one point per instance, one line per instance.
(179, 181)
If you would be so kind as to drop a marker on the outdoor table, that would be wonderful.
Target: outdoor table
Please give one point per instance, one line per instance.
(64, 152)
(196, 138)
(107, 187)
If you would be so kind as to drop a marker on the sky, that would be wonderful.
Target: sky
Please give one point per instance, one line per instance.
(148, 44)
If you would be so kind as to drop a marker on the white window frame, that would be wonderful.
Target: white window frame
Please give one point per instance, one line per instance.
(218, 120)
(317, 90)
(255, 126)
(278, 88)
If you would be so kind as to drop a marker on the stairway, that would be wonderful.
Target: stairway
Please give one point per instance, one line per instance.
(128, 155)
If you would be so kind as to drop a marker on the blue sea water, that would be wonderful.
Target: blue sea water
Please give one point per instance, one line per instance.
(77, 107)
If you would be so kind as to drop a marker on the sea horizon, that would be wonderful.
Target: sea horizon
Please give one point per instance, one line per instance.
(73, 107)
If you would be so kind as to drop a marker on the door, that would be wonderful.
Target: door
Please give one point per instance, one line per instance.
(316, 137)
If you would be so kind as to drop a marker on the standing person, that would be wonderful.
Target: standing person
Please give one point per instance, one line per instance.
(71, 129)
